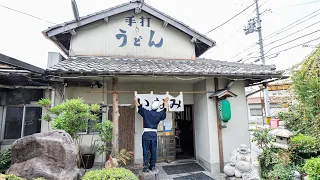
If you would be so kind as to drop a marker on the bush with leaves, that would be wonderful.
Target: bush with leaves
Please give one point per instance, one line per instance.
(110, 174)
(312, 168)
(5, 160)
(305, 144)
(261, 137)
(104, 130)
(71, 115)
(304, 112)
(281, 172)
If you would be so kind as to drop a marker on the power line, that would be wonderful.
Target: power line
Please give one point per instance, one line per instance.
(281, 30)
(255, 10)
(244, 50)
(28, 14)
(292, 33)
(231, 18)
(292, 26)
(284, 44)
(295, 46)
(292, 40)
(292, 47)
(304, 3)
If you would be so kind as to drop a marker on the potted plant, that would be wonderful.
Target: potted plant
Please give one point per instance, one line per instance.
(87, 156)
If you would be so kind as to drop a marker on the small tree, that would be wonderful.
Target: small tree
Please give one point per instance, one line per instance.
(70, 116)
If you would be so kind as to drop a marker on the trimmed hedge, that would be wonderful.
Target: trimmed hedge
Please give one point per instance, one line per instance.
(312, 168)
(110, 174)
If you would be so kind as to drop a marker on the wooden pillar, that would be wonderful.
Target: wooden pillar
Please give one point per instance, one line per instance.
(221, 159)
(115, 117)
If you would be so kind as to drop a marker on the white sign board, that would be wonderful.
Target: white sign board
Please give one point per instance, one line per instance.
(175, 104)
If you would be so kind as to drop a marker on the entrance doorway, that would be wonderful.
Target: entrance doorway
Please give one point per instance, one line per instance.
(184, 135)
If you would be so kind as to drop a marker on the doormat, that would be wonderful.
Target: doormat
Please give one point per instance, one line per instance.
(182, 168)
(197, 176)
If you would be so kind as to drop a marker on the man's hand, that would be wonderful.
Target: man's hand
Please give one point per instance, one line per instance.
(166, 102)
(136, 101)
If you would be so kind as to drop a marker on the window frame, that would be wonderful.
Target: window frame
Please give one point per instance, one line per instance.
(4, 116)
(255, 109)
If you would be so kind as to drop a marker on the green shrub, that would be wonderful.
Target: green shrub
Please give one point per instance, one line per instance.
(312, 168)
(304, 144)
(5, 160)
(110, 174)
(281, 172)
(13, 177)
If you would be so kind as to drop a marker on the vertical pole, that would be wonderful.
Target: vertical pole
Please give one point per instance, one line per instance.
(221, 160)
(266, 93)
(115, 117)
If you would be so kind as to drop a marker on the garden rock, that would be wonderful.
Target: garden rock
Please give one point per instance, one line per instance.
(52, 155)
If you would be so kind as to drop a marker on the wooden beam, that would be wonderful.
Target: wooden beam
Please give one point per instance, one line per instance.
(115, 117)
(221, 159)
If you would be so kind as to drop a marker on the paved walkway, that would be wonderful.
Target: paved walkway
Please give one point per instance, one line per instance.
(164, 176)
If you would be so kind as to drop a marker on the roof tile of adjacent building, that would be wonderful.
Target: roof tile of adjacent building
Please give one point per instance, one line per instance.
(135, 66)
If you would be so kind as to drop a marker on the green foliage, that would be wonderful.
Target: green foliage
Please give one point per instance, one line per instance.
(71, 116)
(304, 144)
(281, 172)
(312, 168)
(261, 137)
(14, 177)
(305, 112)
(5, 160)
(105, 133)
(110, 174)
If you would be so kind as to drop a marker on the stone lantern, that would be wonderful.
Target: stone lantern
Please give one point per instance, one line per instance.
(282, 135)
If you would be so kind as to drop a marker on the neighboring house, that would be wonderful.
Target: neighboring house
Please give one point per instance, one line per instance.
(21, 85)
(278, 94)
(135, 47)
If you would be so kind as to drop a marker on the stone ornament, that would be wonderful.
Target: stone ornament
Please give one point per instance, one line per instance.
(282, 135)
(243, 164)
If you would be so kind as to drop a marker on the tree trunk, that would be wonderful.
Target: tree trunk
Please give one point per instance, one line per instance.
(115, 117)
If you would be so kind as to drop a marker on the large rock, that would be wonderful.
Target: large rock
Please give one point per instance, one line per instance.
(52, 155)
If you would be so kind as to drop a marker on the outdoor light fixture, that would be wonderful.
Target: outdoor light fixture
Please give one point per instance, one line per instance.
(99, 85)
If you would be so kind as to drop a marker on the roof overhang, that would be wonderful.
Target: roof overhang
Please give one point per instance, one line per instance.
(20, 65)
(61, 34)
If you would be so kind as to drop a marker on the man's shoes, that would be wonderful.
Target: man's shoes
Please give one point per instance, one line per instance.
(145, 170)
(153, 169)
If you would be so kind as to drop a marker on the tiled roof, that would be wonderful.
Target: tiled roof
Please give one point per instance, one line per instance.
(273, 100)
(199, 67)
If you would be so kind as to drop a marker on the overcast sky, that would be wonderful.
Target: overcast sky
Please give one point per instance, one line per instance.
(21, 37)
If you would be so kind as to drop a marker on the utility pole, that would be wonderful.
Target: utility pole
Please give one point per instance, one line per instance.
(250, 29)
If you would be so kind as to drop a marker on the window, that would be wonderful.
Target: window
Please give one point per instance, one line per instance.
(20, 117)
(256, 112)
(91, 123)
(21, 121)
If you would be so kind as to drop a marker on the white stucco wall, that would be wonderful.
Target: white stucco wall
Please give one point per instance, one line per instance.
(99, 39)
(127, 98)
(236, 132)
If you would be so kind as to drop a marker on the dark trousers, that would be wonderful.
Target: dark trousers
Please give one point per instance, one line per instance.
(149, 145)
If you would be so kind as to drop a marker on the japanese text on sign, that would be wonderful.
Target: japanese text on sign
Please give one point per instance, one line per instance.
(144, 22)
(175, 104)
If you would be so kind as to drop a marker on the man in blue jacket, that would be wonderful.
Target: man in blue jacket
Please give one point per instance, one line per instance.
(151, 119)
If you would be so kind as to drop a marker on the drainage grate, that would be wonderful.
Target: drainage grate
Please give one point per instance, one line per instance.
(197, 176)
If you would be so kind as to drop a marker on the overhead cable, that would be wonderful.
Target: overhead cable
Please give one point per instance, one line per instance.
(284, 28)
(292, 33)
(28, 14)
(231, 18)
